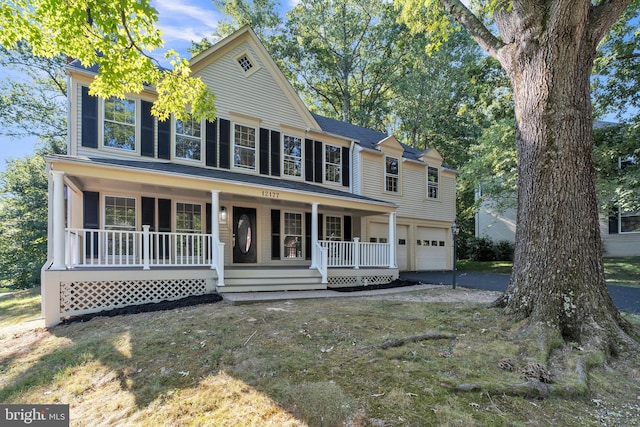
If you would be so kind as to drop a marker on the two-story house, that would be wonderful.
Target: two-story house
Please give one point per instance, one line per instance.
(267, 197)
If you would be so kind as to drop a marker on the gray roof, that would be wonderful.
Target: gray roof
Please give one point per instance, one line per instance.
(225, 175)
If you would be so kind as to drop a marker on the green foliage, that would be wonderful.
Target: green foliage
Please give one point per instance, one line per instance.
(23, 221)
(485, 249)
(115, 36)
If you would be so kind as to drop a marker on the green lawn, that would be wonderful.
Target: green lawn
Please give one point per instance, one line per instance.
(619, 271)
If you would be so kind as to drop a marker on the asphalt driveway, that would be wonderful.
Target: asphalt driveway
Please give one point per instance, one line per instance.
(625, 298)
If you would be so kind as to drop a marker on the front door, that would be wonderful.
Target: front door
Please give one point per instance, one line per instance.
(245, 236)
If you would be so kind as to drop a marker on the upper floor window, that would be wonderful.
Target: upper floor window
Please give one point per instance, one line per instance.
(332, 163)
(244, 151)
(292, 156)
(333, 227)
(391, 174)
(188, 140)
(120, 124)
(432, 182)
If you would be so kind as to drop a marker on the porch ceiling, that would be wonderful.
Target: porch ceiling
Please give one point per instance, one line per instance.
(171, 179)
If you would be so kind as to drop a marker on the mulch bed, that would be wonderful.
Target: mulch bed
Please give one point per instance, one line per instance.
(398, 283)
(147, 308)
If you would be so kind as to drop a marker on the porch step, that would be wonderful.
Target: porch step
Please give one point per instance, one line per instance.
(271, 279)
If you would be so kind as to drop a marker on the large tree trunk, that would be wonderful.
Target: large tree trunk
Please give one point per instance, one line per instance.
(558, 275)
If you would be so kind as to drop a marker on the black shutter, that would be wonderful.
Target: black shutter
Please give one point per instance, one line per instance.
(211, 143)
(164, 139)
(275, 153)
(225, 142)
(147, 133)
(91, 220)
(308, 160)
(317, 161)
(149, 212)
(307, 235)
(345, 166)
(264, 151)
(275, 234)
(347, 229)
(89, 119)
(164, 225)
(613, 221)
(320, 227)
(207, 216)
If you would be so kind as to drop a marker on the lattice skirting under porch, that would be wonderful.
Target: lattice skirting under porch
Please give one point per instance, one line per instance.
(359, 280)
(91, 296)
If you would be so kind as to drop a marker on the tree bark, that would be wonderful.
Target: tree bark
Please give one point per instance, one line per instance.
(547, 48)
(558, 275)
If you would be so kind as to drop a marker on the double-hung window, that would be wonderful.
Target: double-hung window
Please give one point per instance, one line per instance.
(333, 228)
(292, 235)
(332, 163)
(432, 182)
(244, 147)
(119, 129)
(119, 224)
(188, 218)
(292, 156)
(391, 174)
(188, 142)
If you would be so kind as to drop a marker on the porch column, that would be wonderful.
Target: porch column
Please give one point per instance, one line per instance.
(314, 233)
(215, 214)
(392, 240)
(58, 221)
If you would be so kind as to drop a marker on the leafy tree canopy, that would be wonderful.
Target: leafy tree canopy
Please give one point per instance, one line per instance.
(116, 37)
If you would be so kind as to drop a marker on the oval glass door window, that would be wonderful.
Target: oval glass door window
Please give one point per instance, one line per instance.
(243, 239)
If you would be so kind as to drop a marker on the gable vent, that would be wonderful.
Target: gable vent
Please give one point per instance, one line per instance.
(245, 63)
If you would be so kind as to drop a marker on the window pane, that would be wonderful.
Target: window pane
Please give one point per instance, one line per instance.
(629, 222)
(432, 182)
(120, 124)
(292, 156)
(333, 226)
(333, 163)
(188, 218)
(244, 154)
(120, 213)
(391, 174)
(292, 235)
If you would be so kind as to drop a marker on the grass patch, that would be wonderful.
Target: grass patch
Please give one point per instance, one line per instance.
(623, 271)
(498, 267)
(312, 362)
(20, 306)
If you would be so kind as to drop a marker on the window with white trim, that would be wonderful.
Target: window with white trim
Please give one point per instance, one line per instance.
(292, 235)
(333, 228)
(291, 156)
(188, 218)
(391, 174)
(188, 141)
(119, 217)
(119, 124)
(244, 147)
(332, 163)
(432, 182)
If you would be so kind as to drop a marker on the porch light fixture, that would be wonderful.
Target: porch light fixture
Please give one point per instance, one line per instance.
(455, 230)
(222, 215)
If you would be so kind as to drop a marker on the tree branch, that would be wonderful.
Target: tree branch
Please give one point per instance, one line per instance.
(603, 16)
(490, 43)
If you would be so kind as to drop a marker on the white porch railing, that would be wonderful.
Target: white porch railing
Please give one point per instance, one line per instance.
(116, 248)
(356, 254)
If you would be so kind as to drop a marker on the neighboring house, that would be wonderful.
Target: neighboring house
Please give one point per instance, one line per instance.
(267, 197)
(620, 232)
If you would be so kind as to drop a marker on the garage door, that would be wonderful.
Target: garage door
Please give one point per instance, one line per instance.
(379, 233)
(432, 249)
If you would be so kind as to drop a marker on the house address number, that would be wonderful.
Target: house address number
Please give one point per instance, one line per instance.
(271, 194)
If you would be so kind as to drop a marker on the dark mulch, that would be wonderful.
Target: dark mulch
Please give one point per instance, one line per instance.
(146, 308)
(398, 283)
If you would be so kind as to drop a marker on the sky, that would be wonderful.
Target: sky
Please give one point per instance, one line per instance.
(180, 22)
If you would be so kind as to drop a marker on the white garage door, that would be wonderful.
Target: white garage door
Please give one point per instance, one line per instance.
(379, 233)
(432, 249)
